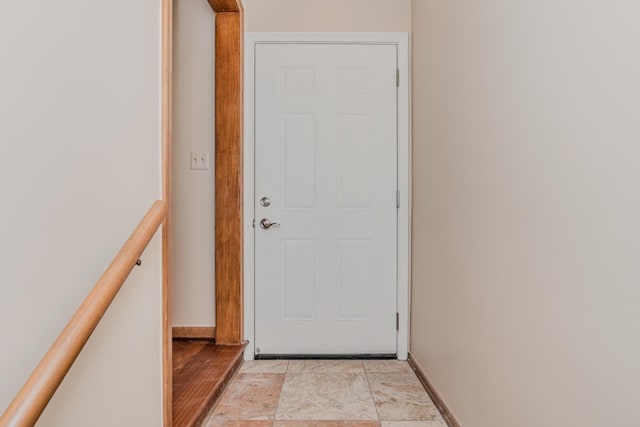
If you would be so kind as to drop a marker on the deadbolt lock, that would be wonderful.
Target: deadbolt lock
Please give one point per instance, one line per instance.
(265, 201)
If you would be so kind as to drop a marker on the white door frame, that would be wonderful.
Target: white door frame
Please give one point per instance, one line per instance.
(401, 40)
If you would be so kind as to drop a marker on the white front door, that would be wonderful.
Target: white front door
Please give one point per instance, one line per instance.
(326, 176)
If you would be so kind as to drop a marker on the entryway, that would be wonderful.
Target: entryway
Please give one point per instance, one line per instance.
(329, 149)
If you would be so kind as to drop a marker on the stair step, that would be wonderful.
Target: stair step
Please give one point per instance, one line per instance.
(201, 372)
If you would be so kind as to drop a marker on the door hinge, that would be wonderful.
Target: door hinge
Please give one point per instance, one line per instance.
(397, 77)
(254, 224)
(398, 199)
(397, 321)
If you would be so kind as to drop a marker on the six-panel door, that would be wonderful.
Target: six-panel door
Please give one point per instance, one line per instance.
(326, 162)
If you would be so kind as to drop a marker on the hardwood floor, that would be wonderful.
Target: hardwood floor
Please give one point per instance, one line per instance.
(201, 371)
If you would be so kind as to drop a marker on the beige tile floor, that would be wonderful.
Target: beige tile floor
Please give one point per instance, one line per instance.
(325, 393)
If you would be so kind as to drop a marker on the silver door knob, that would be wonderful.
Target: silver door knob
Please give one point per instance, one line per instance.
(266, 224)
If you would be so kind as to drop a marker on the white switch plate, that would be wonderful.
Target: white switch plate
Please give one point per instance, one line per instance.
(199, 160)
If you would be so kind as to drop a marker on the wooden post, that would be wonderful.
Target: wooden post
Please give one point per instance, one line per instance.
(228, 165)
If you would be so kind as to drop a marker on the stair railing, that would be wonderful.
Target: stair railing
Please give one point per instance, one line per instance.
(35, 394)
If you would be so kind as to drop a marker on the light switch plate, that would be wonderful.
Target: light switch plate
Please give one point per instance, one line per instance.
(199, 160)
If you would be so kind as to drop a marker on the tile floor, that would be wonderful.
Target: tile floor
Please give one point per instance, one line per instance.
(325, 393)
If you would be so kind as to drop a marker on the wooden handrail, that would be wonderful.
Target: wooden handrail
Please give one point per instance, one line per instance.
(29, 403)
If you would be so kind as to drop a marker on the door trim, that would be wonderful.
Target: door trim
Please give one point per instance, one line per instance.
(401, 40)
(167, 144)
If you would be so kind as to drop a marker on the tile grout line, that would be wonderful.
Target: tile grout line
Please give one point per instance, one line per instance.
(286, 372)
(366, 376)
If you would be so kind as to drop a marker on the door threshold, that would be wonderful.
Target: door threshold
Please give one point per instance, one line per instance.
(325, 356)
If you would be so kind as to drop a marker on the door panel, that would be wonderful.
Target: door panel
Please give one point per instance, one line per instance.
(326, 157)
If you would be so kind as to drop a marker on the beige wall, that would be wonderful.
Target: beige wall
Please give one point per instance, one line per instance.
(330, 15)
(79, 167)
(193, 190)
(526, 230)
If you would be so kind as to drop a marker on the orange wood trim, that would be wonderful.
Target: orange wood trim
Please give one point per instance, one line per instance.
(446, 413)
(203, 371)
(34, 396)
(228, 171)
(194, 332)
(167, 148)
(226, 5)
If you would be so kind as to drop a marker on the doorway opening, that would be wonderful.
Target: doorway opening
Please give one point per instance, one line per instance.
(298, 308)
(226, 56)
